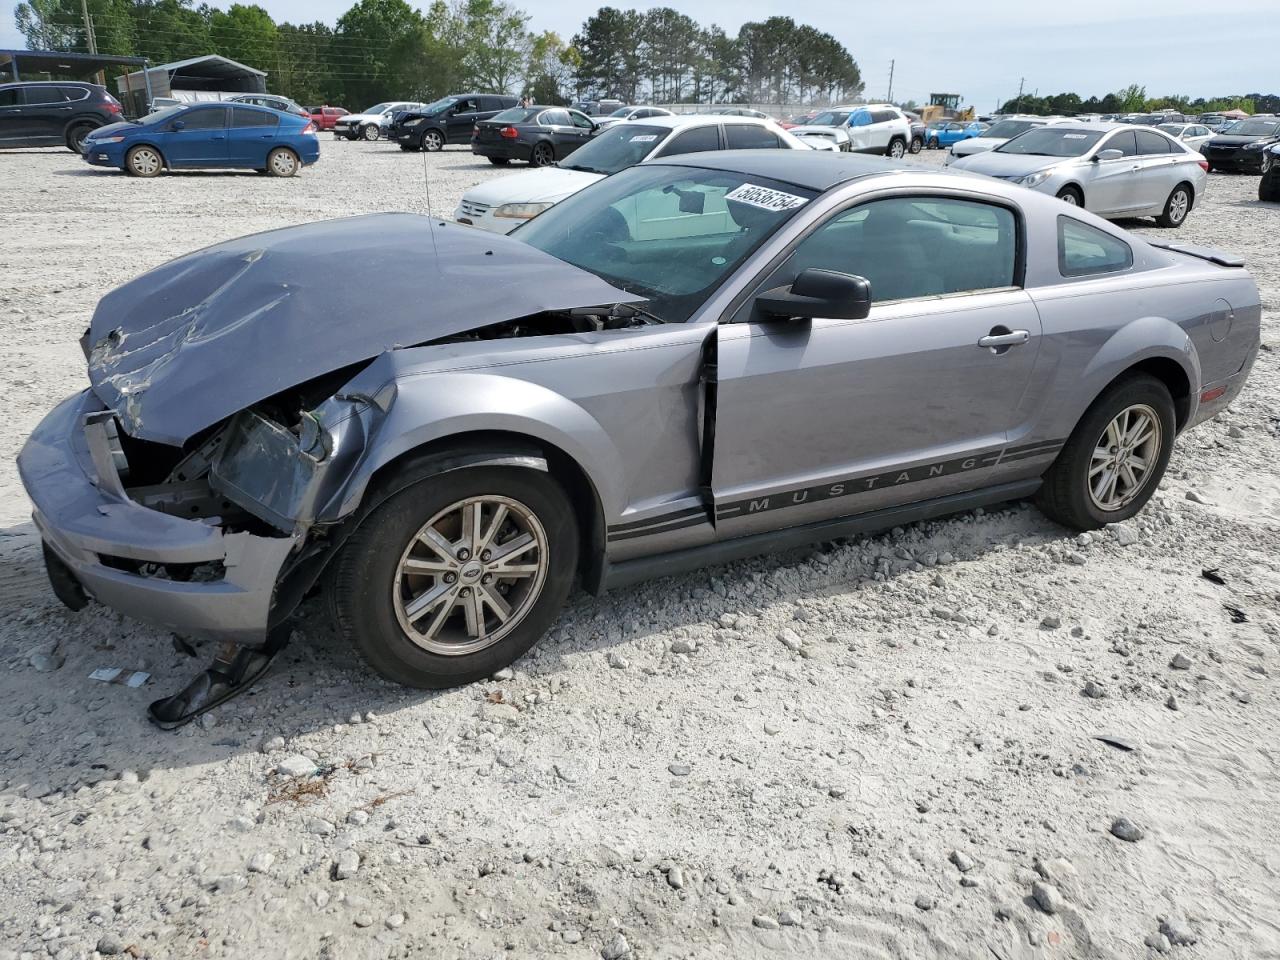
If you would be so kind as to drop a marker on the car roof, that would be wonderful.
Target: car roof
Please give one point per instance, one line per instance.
(814, 170)
(698, 120)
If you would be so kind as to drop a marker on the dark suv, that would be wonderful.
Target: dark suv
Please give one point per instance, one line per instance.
(449, 120)
(1245, 145)
(48, 113)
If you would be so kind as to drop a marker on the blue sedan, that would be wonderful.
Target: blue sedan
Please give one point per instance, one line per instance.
(220, 135)
(945, 133)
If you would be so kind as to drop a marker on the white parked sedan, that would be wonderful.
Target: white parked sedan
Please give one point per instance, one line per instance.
(1111, 169)
(630, 113)
(1192, 134)
(1002, 131)
(501, 205)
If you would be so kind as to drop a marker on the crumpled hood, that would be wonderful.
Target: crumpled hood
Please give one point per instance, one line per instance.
(544, 185)
(204, 336)
(1006, 165)
(112, 129)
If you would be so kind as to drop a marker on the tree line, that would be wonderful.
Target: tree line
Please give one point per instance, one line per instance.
(1134, 99)
(388, 49)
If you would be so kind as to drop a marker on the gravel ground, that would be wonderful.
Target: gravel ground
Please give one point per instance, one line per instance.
(983, 737)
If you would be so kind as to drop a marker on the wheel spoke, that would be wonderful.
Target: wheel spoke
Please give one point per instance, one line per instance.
(438, 621)
(497, 602)
(426, 567)
(432, 538)
(1130, 478)
(1100, 487)
(513, 548)
(424, 602)
(1113, 433)
(1094, 471)
(515, 570)
(471, 517)
(499, 518)
(475, 615)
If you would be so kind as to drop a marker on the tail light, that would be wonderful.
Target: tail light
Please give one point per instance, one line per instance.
(111, 106)
(1204, 165)
(309, 128)
(509, 133)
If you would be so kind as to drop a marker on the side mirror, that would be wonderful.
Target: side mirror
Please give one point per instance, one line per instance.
(818, 293)
(1108, 155)
(177, 125)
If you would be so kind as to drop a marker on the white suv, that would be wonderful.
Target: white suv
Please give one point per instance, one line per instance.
(872, 128)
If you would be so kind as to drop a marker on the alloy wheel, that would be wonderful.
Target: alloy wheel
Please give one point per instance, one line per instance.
(371, 132)
(144, 162)
(1124, 457)
(542, 155)
(896, 150)
(1178, 206)
(431, 140)
(470, 575)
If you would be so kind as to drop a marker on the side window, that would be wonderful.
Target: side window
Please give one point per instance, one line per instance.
(466, 106)
(75, 93)
(1124, 141)
(693, 141)
(242, 117)
(9, 98)
(581, 120)
(1151, 143)
(554, 118)
(914, 247)
(36, 95)
(212, 118)
(860, 118)
(745, 136)
(1084, 251)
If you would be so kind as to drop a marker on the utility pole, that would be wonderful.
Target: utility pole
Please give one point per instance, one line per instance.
(889, 98)
(1018, 107)
(90, 38)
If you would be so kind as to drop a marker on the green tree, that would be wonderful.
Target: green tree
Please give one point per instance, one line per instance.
(610, 45)
(246, 34)
(551, 68)
(496, 43)
(1133, 98)
(671, 50)
(364, 40)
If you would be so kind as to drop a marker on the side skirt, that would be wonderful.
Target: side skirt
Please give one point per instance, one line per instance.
(694, 558)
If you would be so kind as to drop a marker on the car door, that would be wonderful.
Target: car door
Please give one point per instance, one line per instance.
(197, 137)
(251, 136)
(829, 417)
(460, 120)
(558, 129)
(1111, 182)
(12, 125)
(1157, 174)
(860, 133)
(45, 113)
(881, 129)
(582, 128)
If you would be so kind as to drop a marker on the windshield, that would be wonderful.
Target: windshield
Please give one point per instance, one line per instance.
(1052, 142)
(438, 105)
(517, 115)
(1174, 129)
(621, 112)
(1007, 129)
(832, 118)
(618, 147)
(161, 115)
(1253, 128)
(672, 234)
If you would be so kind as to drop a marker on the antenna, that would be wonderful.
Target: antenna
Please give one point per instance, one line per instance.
(431, 220)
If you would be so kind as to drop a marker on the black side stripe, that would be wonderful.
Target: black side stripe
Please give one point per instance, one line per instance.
(675, 524)
(654, 521)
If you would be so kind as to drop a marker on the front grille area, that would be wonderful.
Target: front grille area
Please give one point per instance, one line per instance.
(473, 210)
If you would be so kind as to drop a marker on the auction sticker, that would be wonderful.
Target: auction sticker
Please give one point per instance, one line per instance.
(766, 199)
(644, 138)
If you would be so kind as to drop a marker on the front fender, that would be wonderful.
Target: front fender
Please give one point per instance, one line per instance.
(434, 407)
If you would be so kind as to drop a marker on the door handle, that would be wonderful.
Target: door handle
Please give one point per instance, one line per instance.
(1002, 338)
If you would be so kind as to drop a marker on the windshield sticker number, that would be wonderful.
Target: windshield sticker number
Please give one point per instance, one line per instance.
(1074, 136)
(645, 138)
(764, 198)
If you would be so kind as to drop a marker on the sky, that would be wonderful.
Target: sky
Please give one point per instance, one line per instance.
(980, 50)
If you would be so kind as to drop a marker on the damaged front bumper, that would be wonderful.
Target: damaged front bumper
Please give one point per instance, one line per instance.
(187, 575)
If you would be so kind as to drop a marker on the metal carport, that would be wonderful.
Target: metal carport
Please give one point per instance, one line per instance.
(19, 65)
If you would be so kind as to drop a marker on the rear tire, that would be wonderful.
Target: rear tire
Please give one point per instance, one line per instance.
(1176, 207)
(144, 162)
(76, 135)
(1071, 196)
(916, 144)
(1269, 188)
(282, 162)
(897, 148)
(1070, 493)
(375, 591)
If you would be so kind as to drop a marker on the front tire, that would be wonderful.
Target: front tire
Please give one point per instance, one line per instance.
(1071, 196)
(1176, 207)
(370, 132)
(433, 141)
(1115, 457)
(420, 590)
(282, 162)
(1269, 188)
(143, 162)
(542, 155)
(916, 144)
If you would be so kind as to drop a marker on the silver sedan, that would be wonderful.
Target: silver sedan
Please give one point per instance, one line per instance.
(1111, 169)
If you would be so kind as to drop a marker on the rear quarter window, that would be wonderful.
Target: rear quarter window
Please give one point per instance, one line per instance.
(240, 117)
(749, 136)
(1085, 251)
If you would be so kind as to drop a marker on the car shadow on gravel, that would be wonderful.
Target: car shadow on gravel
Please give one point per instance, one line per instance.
(100, 729)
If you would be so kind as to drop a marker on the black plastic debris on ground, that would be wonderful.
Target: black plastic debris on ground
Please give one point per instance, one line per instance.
(1237, 615)
(1213, 576)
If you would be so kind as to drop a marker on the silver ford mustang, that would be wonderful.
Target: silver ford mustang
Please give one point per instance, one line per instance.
(689, 362)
